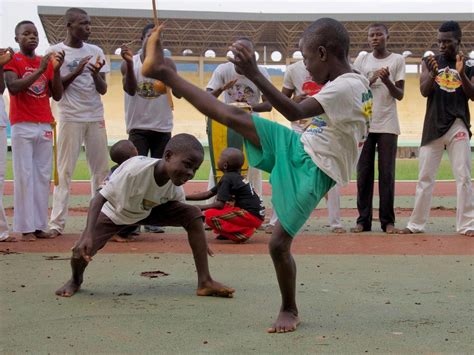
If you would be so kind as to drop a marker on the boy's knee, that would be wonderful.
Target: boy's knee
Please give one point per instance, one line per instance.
(194, 217)
(278, 246)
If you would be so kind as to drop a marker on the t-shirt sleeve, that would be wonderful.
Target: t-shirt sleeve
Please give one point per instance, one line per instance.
(11, 66)
(337, 100)
(216, 81)
(224, 189)
(400, 70)
(287, 81)
(358, 63)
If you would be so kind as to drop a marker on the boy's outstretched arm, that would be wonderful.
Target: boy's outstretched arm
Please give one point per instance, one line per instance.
(154, 67)
(85, 243)
(244, 59)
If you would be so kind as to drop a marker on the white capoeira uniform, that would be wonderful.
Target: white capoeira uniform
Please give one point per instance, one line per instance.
(3, 165)
(80, 121)
(32, 142)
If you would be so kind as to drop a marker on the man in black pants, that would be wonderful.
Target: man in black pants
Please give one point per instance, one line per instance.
(386, 74)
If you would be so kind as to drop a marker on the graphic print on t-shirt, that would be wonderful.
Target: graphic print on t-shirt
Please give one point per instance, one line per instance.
(448, 79)
(146, 90)
(38, 88)
(242, 93)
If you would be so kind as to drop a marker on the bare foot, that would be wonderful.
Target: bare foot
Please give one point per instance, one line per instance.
(390, 229)
(338, 230)
(8, 239)
(405, 231)
(28, 237)
(69, 289)
(214, 288)
(359, 228)
(286, 322)
(46, 235)
(119, 239)
(469, 233)
(153, 53)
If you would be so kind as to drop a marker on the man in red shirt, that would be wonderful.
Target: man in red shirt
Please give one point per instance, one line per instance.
(31, 80)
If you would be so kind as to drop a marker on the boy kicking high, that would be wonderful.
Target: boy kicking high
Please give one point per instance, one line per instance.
(147, 191)
(303, 167)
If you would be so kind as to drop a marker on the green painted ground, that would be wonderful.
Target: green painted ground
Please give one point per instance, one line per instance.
(348, 304)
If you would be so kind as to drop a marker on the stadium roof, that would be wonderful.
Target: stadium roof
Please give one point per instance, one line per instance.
(200, 31)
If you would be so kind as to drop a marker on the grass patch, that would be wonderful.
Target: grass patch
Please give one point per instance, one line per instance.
(406, 169)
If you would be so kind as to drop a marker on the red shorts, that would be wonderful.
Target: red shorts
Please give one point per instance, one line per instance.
(232, 223)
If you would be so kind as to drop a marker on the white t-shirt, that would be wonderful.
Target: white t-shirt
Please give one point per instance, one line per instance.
(334, 139)
(80, 102)
(3, 113)
(298, 79)
(147, 109)
(384, 114)
(242, 91)
(132, 192)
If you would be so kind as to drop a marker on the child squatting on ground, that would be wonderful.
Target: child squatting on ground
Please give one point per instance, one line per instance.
(148, 191)
(238, 210)
(304, 166)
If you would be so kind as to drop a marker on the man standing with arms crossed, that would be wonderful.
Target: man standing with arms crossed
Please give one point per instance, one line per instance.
(81, 113)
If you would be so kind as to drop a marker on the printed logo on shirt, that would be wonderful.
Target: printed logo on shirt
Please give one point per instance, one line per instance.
(48, 135)
(243, 93)
(367, 102)
(460, 136)
(448, 79)
(146, 90)
(38, 88)
(317, 125)
(102, 124)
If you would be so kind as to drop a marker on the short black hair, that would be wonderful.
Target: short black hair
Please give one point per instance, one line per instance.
(184, 142)
(120, 151)
(451, 26)
(235, 158)
(246, 39)
(21, 23)
(379, 24)
(72, 12)
(329, 33)
(147, 28)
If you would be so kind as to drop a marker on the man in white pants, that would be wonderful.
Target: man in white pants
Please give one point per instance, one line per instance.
(448, 83)
(299, 84)
(237, 88)
(5, 57)
(81, 113)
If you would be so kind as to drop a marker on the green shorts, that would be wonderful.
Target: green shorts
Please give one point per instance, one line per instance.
(297, 183)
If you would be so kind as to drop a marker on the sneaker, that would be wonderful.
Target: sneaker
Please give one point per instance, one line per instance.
(153, 229)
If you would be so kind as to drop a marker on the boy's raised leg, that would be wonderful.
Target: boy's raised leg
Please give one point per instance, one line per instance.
(155, 67)
(206, 285)
(285, 267)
